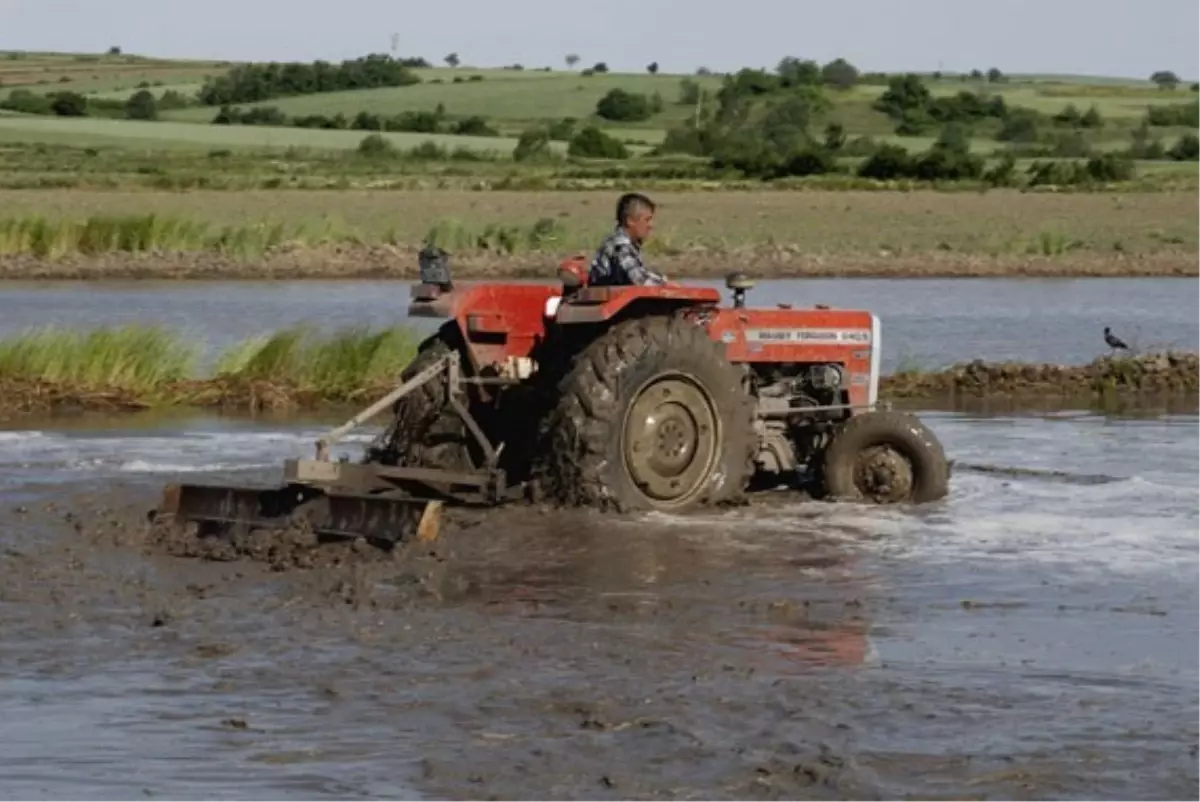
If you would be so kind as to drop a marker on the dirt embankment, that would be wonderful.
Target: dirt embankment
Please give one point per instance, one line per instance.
(769, 262)
(1172, 374)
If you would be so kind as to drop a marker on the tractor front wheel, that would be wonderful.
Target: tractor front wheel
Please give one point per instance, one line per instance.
(885, 458)
(652, 416)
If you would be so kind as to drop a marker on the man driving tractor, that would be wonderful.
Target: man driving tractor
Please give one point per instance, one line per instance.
(619, 258)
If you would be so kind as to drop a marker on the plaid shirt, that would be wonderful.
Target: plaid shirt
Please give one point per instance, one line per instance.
(619, 261)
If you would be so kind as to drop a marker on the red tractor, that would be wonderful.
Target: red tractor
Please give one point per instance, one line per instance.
(631, 397)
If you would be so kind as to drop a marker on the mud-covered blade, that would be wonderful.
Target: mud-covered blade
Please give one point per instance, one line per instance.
(217, 508)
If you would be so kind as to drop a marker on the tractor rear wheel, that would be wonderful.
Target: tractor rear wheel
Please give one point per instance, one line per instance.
(885, 457)
(652, 416)
(425, 431)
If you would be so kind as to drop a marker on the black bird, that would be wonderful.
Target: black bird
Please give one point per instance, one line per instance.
(1113, 341)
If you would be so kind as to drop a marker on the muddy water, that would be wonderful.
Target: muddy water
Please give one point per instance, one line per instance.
(930, 322)
(1033, 636)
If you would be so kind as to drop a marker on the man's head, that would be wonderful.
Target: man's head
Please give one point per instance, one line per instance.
(635, 214)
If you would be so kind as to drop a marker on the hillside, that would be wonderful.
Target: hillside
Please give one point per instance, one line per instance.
(79, 100)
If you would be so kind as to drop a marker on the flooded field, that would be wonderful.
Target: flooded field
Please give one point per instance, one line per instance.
(927, 323)
(1033, 636)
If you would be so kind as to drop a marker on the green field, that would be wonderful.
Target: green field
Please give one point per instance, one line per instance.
(135, 133)
(506, 95)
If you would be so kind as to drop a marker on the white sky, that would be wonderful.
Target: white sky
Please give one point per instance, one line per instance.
(1128, 38)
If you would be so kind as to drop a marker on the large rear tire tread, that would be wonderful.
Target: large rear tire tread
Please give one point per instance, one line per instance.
(902, 432)
(585, 465)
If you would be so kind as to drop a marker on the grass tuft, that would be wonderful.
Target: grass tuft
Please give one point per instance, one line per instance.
(136, 358)
(337, 365)
(139, 367)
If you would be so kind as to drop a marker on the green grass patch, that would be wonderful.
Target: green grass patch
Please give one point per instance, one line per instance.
(337, 364)
(155, 366)
(139, 359)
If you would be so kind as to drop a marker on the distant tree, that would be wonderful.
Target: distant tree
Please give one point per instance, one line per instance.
(835, 136)
(689, 92)
(652, 68)
(976, 75)
(592, 143)
(599, 66)
(451, 60)
(905, 95)
(703, 71)
(1020, 126)
(141, 106)
(572, 59)
(1165, 79)
(937, 75)
(1196, 87)
(115, 50)
(621, 106)
(839, 74)
(1069, 116)
(1091, 118)
(954, 137)
(253, 82)
(796, 72)
(994, 76)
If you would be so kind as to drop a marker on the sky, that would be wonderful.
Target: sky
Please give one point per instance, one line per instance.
(1123, 38)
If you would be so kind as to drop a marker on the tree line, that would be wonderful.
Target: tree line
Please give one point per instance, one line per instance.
(252, 83)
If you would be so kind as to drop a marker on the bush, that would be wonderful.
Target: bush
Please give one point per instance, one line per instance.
(887, 163)
(474, 126)
(1187, 149)
(374, 146)
(26, 102)
(69, 104)
(950, 159)
(429, 151)
(141, 106)
(1069, 145)
(1003, 173)
(941, 163)
(562, 130)
(1183, 114)
(533, 145)
(684, 139)
(621, 106)
(173, 99)
(1020, 126)
(1105, 168)
(592, 143)
(808, 161)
